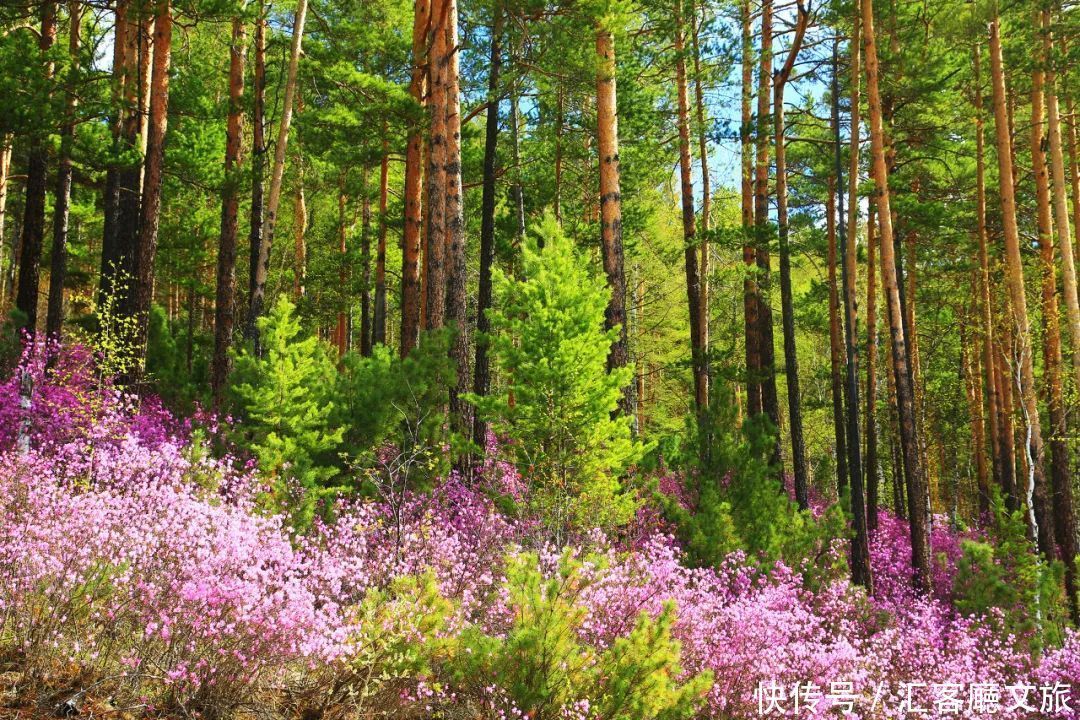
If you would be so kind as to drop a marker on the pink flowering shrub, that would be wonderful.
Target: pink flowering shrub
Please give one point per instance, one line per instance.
(127, 550)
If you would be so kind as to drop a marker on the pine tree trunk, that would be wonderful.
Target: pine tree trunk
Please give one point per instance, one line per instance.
(750, 285)
(378, 330)
(111, 194)
(769, 403)
(896, 457)
(341, 328)
(690, 252)
(791, 359)
(517, 191)
(299, 229)
(150, 215)
(58, 270)
(1074, 181)
(413, 194)
(972, 376)
(435, 179)
(1036, 482)
(5, 172)
(705, 217)
(225, 296)
(607, 138)
(365, 262)
(873, 472)
(482, 369)
(836, 346)
(456, 291)
(37, 170)
(118, 274)
(1061, 222)
(985, 307)
(1063, 528)
(277, 172)
(860, 543)
(1003, 378)
(258, 167)
(905, 396)
(1064, 513)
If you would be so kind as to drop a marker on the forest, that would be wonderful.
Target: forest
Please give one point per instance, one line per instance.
(539, 359)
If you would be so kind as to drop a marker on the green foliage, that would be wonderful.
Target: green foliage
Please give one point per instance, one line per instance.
(400, 634)
(286, 396)
(112, 343)
(1006, 584)
(551, 347)
(737, 502)
(543, 666)
(167, 359)
(386, 399)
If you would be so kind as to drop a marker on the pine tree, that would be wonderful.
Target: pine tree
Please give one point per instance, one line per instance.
(550, 343)
(287, 408)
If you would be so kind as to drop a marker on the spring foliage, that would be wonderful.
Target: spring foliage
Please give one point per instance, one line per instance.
(559, 411)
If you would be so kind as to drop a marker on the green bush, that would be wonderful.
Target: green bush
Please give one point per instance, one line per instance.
(386, 400)
(737, 502)
(286, 398)
(558, 409)
(1006, 584)
(541, 666)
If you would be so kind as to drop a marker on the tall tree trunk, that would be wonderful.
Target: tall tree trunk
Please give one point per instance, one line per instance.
(119, 267)
(705, 217)
(905, 396)
(836, 346)
(435, 211)
(690, 251)
(1060, 477)
(1064, 513)
(1036, 484)
(413, 194)
(55, 315)
(5, 174)
(1003, 379)
(1074, 180)
(751, 323)
(972, 374)
(277, 172)
(607, 140)
(517, 191)
(860, 543)
(299, 229)
(482, 369)
(985, 307)
(456, 291)
(896, 456)
(146, 250)
(37, 170)
(1061, 221)
(365, 262)
(873, 472)
(225, 296)
(111, 195)
(378, 330)
(769, 403)
(791, 359)
(258, 167)
(341, 328)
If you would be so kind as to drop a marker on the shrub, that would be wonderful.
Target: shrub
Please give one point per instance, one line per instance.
(732, 500)
(287, 403)
(540, 668)
(565, 434)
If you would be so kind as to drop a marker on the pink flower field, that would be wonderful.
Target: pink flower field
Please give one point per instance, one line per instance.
(140, 575)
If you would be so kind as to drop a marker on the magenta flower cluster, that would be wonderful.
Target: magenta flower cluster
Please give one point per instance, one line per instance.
(128, 550)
